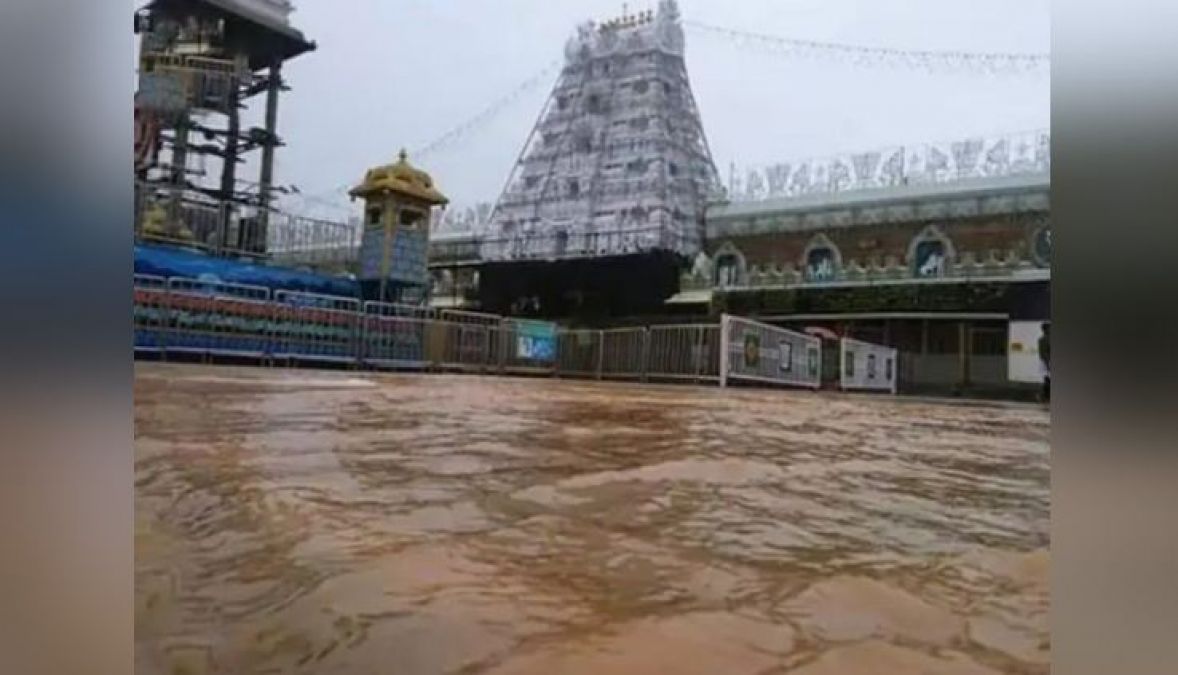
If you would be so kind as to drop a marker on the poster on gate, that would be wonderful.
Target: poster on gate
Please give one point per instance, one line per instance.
(786, 358)
(812, 362)
(535, 341)
(752, 351)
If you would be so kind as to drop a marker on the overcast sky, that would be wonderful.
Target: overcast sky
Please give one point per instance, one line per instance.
(393, 73)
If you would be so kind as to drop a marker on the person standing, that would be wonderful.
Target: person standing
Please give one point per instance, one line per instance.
(1045, 359)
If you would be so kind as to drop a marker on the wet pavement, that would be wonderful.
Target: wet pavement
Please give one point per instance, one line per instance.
(329, 522)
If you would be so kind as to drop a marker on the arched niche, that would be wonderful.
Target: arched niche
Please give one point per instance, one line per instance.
(930, 253)
(729, 265)
(821, 260)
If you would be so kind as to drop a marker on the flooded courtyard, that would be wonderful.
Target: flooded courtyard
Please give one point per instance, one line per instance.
(330, 522)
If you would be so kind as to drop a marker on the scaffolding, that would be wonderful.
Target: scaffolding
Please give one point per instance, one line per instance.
(200, 61)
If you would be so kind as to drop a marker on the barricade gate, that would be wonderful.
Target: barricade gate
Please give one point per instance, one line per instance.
(623, 353)
(314, 327)
(214, 318)
(466, 346)
(578, 353)
(182, 315)
(758, 352)
(684, 352)
(150, 313)
(867, 366)
(390, 339)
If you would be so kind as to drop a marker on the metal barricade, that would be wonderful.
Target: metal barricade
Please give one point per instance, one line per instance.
(868, 366)
(465, 347)
(578, 353)
(623, 353)
(684, 352)
(392, 340)
(150, 313)
(468, 317)
(758, 352)
(313, 327)
(215, 318)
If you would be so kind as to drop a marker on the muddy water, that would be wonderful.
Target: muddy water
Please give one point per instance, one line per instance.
(308, 522)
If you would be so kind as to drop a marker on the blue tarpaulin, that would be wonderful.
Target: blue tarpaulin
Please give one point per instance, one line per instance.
(166, 261)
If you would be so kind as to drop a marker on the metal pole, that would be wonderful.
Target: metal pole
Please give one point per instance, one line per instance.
(724, 350)
(600, 352)
(266, 175)
(963, 349)
(645, 352)
(842, 362)
(179, 160)
(229, 168)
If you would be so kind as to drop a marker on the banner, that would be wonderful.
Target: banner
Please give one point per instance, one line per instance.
(535, 340)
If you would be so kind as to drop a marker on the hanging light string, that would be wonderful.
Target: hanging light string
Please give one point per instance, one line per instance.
(859, 55)
(489, 112)
(856, 55)
(457, 133)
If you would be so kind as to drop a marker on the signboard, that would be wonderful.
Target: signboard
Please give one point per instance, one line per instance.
(535, 340)
(1023, 362)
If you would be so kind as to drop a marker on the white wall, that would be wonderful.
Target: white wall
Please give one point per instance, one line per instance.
(1023, 349)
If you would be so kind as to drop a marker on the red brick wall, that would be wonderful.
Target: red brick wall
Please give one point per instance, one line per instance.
(864, 243)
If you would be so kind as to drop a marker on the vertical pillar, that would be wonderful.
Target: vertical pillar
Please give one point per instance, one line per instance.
(266, 174)
(923, 337)
(179, 161)
(724, 350)
(229, 169)
(963, 353)
(600, 352)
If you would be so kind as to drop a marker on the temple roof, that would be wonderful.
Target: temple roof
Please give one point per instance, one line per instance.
(401, 179)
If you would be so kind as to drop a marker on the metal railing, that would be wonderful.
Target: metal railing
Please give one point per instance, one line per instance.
(190, 317)
(684, 352)
(579, 353)
(624, 353)
(170, 215)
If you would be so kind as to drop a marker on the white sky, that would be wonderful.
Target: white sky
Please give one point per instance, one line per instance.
(393, 73)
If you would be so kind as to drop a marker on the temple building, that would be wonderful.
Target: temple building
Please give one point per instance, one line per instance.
(607, 199)
(939, 270)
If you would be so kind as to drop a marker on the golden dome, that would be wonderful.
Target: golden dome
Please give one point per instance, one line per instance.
(400, 179)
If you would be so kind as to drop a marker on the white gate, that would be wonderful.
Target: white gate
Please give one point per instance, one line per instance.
(757, 352)
(864, 365)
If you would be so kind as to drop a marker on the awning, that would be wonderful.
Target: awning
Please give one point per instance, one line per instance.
(820, 332)
(701, 297)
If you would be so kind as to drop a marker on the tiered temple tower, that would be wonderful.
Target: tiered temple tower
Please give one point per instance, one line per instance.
(617, 163)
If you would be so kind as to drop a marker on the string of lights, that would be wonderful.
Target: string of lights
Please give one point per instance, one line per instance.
(457, 133)
(856, 55)
(489, 112)
(866, 56)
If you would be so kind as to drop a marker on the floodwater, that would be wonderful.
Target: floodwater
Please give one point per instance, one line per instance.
(330, 522)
